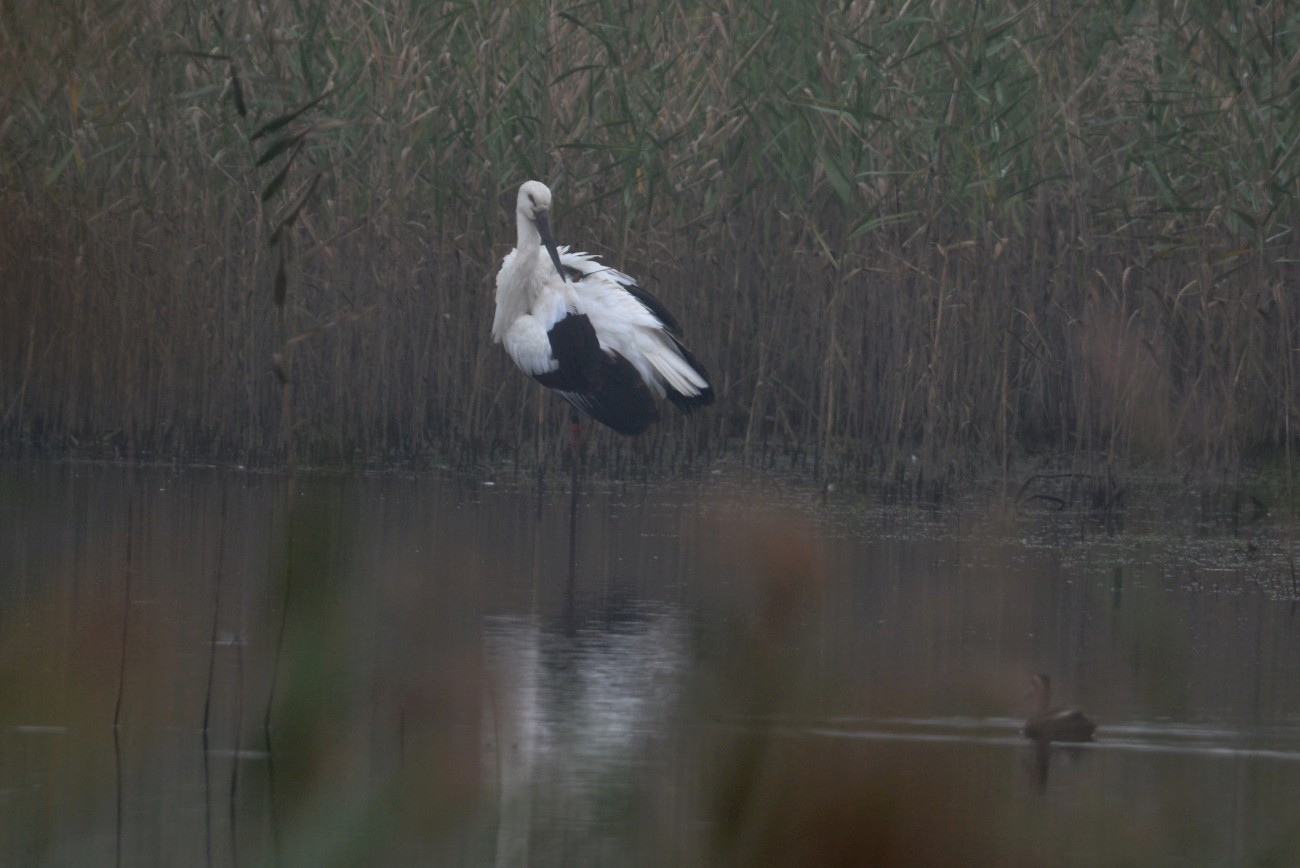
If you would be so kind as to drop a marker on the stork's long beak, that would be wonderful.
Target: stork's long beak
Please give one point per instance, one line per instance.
(543, 221)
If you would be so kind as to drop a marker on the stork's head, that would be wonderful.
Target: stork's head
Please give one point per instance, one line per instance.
(534, 205)
(534, 199)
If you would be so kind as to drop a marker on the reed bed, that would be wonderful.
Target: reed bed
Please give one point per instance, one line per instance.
(919, 235)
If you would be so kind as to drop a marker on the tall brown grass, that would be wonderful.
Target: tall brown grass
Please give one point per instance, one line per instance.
(950, 232)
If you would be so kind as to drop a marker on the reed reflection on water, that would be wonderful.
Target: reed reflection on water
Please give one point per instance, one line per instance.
(733, 674)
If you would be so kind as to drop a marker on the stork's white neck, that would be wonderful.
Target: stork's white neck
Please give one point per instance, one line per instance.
(529, 238)
(516, 286)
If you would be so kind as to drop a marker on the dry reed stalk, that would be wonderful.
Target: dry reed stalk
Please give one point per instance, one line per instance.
(887, 236)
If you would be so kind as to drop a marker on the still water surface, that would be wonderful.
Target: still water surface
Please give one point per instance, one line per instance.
(442, 671)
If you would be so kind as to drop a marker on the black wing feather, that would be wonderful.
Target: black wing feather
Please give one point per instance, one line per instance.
(685, 403)
(577, 354)
(603, 385)
(656, 307)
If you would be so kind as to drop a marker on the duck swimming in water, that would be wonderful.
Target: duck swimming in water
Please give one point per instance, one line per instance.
(1055, 724)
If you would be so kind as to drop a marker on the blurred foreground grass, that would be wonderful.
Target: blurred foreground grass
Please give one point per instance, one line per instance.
(444, 696)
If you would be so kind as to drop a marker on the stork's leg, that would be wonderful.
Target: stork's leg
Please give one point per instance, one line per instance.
(575, 437)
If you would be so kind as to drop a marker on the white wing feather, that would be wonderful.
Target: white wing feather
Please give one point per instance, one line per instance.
(527, 308)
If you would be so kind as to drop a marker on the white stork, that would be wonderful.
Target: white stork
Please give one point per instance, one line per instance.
(589, 332)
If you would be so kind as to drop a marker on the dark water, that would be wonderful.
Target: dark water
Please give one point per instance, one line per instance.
(403, 671)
